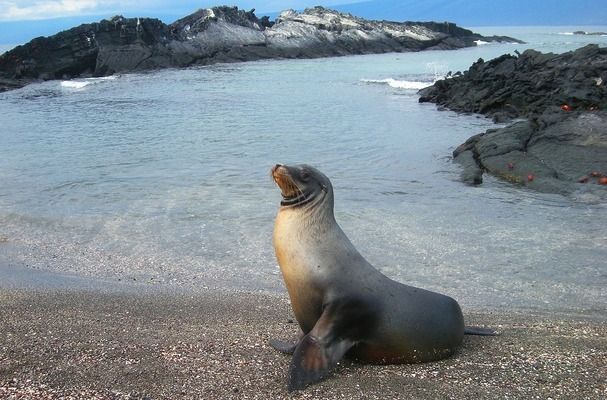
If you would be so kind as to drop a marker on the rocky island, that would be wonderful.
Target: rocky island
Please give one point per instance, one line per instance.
(560, 143)
(219, 34)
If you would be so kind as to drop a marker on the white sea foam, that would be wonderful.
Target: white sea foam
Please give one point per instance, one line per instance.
(566, 33)
(480, 42)
(79, 84)
(102, 78)
(395, 83)
(74, 84)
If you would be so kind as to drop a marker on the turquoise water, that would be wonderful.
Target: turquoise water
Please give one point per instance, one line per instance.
(163, 178)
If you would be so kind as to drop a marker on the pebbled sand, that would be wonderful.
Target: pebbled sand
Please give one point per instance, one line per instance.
(69, 344)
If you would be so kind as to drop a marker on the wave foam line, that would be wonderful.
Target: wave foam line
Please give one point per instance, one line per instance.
(74, 84)
(79, 84)
(399, 84)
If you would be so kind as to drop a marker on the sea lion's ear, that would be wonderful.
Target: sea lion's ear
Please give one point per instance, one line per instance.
(318, 352)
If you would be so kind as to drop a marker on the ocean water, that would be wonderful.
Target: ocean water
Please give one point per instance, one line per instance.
(161, 179)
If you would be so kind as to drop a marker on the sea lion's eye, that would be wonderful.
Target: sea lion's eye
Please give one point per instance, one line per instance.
(305, 175)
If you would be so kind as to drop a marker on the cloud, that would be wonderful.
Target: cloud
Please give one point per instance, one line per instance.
(15, 11)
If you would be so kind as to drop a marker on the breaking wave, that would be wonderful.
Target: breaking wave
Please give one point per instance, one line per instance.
(400, 84)
(79, 84)
(74, 84)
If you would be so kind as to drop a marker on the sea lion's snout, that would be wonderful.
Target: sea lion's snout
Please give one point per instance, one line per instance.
(284, 180)
(275, 168)
(278, 174)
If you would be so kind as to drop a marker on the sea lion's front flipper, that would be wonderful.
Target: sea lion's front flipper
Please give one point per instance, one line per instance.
(313, 360)
(342, 324)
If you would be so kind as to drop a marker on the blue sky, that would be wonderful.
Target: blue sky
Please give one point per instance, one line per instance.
(28, 10)
(23, 20)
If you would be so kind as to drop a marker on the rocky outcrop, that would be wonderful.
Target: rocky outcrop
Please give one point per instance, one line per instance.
(550, 156)
(513, 86)
(561, 145)
(590, 33)
(219, 34)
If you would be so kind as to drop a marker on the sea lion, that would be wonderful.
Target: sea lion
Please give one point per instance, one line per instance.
(343, 305)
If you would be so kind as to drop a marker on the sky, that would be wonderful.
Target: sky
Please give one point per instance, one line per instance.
(28, 10)
(23, 20)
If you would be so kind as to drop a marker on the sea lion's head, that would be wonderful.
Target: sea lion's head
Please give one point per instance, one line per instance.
(302, 185)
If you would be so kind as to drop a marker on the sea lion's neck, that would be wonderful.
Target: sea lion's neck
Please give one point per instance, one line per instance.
(297, 232)
(312, 217)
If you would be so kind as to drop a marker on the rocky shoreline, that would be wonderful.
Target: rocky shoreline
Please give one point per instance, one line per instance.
(560, 145)
(218, 34)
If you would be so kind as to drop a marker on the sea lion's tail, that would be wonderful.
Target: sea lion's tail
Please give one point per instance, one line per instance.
(477, 330)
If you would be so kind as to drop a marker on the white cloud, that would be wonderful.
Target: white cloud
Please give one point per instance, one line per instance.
(45, 9)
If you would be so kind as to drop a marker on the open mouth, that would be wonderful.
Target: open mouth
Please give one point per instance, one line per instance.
(288, 188)
(291, 193)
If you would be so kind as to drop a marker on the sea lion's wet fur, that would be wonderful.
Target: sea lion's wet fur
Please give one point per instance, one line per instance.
(341, 302)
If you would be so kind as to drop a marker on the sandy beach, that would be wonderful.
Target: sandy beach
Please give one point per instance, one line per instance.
(98, 344)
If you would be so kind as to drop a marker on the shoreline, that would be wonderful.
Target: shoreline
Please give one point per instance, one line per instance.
(35, 280)
(214, 344)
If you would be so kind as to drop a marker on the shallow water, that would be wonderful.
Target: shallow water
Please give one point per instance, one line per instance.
(163, 177)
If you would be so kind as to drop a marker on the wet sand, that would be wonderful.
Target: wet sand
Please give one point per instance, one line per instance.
(92, 344)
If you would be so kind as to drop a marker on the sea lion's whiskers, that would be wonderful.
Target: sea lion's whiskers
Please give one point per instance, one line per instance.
(294, 189)
(298, 190)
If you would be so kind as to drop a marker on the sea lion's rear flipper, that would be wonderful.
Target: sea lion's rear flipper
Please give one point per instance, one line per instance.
(283, 347)
(342, 324)
(477, 330)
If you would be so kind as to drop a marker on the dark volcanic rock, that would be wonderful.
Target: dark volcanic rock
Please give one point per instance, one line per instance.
(219, 34)
(561, 146)
(590, 33)
(509, 86)
(556, 158)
